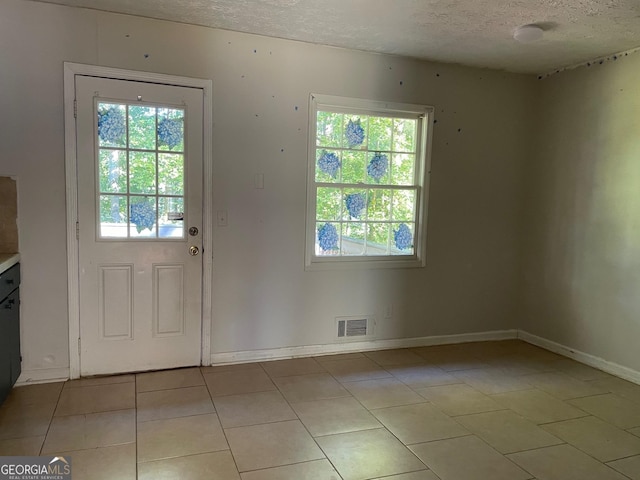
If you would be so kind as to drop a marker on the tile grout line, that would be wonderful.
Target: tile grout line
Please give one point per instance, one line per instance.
(224, 433)
(370, 412)
(335, 468)
(382, 426)
(135, 392)
(53, 414)
(533, 387)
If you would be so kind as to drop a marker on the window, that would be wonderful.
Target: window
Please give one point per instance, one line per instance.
(140, 169)
(367, 183)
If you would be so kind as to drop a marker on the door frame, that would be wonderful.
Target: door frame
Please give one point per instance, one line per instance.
(71, 70)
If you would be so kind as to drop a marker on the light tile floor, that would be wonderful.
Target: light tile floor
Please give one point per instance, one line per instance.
(491, 410)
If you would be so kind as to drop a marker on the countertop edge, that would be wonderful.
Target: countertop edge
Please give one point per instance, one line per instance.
(8, 260)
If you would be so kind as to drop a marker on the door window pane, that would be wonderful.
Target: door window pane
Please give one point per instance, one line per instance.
(170, 129)
(113, 171)
(142, 172)
(171, 173)
(112, 125)
(113, 216)
(143, 217)
(141, 183)
(142, 127)
(170, 217)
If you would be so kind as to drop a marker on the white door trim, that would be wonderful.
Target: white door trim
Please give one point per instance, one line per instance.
(70, 72)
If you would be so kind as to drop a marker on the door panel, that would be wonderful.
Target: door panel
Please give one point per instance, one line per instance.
(115, 300)
(139, 191)
(168, 294)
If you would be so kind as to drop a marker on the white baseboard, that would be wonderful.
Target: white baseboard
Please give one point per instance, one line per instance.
(43, 375)
(586, 358)
(47, 375)
(228, 358)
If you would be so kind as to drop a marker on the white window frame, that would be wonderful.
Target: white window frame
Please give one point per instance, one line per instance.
(424, 115)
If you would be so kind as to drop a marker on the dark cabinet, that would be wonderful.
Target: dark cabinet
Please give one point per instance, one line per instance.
(10, 359)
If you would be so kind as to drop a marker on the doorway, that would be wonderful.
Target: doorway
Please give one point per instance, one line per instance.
(142, 242)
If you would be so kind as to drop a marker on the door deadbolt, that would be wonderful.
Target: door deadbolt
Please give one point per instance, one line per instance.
(193, 250)
(193, 231)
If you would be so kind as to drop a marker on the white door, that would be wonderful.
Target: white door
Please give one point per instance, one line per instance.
(139, 149)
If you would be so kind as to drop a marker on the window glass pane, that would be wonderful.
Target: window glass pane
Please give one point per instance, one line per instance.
(402, 239)
(353, 167)
(353, 238)
(327, 238)
(355, 131)
(113, 216)
(329, 129)
(171, 129)
(139, 172)
(377, 239)
(113, 171)
(364, 186)
(380, 129)
(142, 172)
(403, 205)
(328, 204)
(143, 217)
(379, 205)
(354, 204)
(171, 217)
(377, 167)
(112, 125)
(404, 135)
(142, 127)
(328, 165)
(171, 173)
(402, 169)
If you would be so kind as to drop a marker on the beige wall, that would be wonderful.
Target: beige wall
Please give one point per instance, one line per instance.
(263, 298)
(582, 261)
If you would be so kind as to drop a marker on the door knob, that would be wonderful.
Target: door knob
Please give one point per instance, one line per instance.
(193, 250)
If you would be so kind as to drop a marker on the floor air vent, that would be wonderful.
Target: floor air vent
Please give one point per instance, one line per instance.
(353, 327)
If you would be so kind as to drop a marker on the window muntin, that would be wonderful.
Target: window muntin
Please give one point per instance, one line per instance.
(367, 182)
(140, 171)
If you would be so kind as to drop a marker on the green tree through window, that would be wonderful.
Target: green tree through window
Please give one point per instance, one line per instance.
(367, 190)
(140, 171)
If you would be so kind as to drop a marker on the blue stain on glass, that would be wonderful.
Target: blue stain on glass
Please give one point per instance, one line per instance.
(328, 237)
(402, 237)
(329, 163)
(143, 215)
(111, 125)
(170, 131)
(356, 204)
(354, 133)
(378, 166)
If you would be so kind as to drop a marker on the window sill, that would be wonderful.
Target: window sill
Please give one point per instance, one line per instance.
(361, 263)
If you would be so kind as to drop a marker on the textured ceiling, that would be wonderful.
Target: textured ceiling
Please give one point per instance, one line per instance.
(469, 32)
